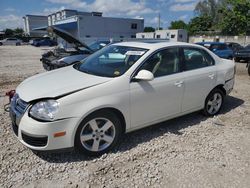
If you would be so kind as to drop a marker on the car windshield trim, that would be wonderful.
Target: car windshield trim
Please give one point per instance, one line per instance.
(111, 61)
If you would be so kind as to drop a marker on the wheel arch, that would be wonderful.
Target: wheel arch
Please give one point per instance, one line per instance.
(116, 112)
(111, 109)
(221, 87)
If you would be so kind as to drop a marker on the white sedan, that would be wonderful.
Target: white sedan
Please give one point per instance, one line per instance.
(10, 41)
(121, 88)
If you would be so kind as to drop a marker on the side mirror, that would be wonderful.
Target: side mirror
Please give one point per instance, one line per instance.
(144, 75)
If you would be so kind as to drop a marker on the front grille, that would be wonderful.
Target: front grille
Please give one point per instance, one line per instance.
(35, 141)
(17, 109)
(19, 106)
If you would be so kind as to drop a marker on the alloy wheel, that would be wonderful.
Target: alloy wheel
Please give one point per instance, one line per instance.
(214, 103)
(97, 134)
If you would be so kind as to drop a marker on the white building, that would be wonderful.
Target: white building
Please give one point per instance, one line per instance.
(34, 21)
(84, 25)
(179, 35)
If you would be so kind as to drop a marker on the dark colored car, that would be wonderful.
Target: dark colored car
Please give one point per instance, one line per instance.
(219, 48)
(33, 41)
(44, 42)
(60, 57)
(234, 46)
(243, 54)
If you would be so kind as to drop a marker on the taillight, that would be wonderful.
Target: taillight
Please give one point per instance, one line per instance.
(10, 94)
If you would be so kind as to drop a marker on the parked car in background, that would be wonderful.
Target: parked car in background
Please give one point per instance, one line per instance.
(74, 57)
(33, 41)
(234, 46)
(44, 42)
(60, 57)
(10, 41)
(243, 54)
(219, 48)
(120, 88)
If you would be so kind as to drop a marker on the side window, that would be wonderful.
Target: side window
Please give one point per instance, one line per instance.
(197, 58)
(223, 47)
(163, 63)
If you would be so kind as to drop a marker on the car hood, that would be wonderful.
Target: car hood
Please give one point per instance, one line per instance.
(71, 59)
(57, 83)
(68, 37)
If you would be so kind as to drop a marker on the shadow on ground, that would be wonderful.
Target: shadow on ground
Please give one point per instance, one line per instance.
(131, 140)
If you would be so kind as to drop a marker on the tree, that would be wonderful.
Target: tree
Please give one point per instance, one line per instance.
(149, 29)
(8, 32)
(200, 25)
(210, 8)
(18, 32)
(236, 17)
(179, 24)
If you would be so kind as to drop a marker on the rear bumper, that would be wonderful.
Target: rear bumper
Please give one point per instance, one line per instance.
(243, 57)
(229, 84)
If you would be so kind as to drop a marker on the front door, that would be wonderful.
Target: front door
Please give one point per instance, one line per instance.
(151, 101)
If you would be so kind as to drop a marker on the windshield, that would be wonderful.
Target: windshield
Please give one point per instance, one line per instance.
(248, 46)
(98, 45)
(111, 61)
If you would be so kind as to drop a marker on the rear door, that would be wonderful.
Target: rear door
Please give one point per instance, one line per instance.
(8, 41)
(199, 77)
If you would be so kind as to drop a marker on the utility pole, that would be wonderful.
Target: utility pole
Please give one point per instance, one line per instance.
(248, 18)
(159, 21)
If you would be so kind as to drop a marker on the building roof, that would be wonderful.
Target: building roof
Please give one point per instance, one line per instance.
(34, 15)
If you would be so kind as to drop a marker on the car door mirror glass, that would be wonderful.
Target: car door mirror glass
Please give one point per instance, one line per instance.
(144, 75)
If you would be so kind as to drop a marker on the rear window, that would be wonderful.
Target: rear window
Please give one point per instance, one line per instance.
(218, 47)
(197, 58)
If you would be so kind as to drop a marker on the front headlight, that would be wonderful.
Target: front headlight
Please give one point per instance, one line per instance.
(45, 110)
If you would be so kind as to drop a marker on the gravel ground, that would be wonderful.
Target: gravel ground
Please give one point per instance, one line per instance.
(190, 151)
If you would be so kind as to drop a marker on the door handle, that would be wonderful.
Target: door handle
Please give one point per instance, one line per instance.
(178, 84)
(211, 76)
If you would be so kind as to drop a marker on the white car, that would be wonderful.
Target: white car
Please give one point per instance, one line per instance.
(121, 88)
(10, 41)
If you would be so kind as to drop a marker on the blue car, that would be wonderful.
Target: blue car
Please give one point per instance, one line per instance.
(44, 42)
(219, 48)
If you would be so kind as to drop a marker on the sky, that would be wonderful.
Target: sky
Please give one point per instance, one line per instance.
(12, 11)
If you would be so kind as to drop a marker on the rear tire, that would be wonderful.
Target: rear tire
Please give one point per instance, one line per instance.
(98, 133)
(214, 102)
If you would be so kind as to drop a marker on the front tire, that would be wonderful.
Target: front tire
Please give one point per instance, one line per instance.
(98, 133)
(214, 102)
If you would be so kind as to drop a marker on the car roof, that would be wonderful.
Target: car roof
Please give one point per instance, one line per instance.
(232, 43)
(210, 43)
(152, 46)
